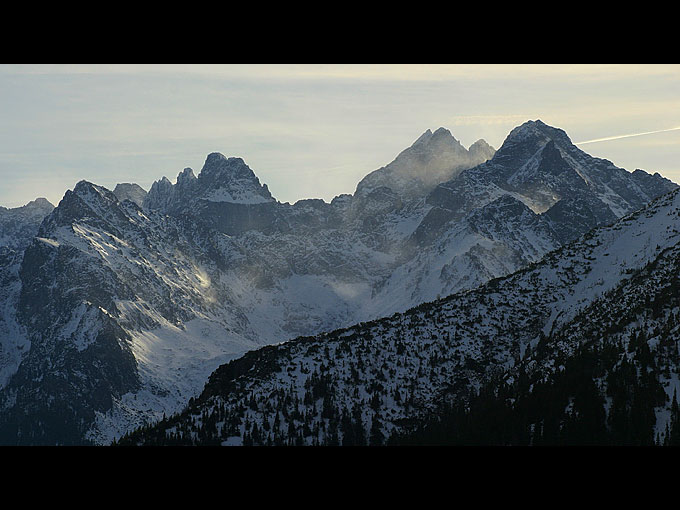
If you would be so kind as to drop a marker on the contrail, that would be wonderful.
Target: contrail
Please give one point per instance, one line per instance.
(627, 136)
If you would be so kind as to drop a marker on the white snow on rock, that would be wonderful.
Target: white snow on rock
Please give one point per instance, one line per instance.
(192, 293)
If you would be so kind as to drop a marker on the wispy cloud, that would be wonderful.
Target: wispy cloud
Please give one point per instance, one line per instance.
(307, 130)
(392, 72)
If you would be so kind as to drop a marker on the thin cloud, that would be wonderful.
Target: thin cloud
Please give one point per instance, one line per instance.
(392, 72)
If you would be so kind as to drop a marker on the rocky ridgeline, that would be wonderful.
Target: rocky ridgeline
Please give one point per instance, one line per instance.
(123, 303)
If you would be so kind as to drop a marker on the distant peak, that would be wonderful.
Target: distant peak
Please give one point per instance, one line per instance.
(186, 175)
(482, 149)
(130, 191)
(481, 143)
(215, 157)
(439, 135)
(230, 179)
(221, 179)
(41, 202)
(87, 191)
(528, 138)
(125, 186)
(538, 128)
(435, 157)
(84, 186)
(521, 131)
(423, 138)
(442, 132)
(217, 163)
(85, 201)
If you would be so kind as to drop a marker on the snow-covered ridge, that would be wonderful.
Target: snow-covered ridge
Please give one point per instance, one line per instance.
(372, 380)
(176, 287)
(18, 225)
(221, 179)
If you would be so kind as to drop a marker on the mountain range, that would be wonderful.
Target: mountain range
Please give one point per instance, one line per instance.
(579, 348)
(119, 306)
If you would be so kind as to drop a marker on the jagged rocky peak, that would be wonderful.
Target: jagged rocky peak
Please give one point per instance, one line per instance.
(435, 157)
(89, 192)
(85, 201)
(441, 137)
(40, 203)
(481, 150)
(536, 152)
(221, 179)
(225, 179)
(186, 177)
(130, 191)
(38, 208)
(527, 139)
(162, 185)
(159, 196)
(85, 194)
(537, 129)
(19, 224)
(218, 166)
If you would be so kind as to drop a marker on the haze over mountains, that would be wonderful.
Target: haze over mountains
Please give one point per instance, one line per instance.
(579, 348)
(118, 306)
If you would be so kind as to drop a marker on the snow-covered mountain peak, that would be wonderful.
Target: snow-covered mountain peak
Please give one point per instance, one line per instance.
(526, 327)
(87, 202)
(94, 195)
(86, 196)
(433, 158)
(230, 180)
(212, 265)
(40, 203)
(218, 164)
(130, 191)
(482, 150)
(19, 224)
(441, 140)
(537, 129)
(423, 138)
(185, 176)
(527, 139)
(221, 180)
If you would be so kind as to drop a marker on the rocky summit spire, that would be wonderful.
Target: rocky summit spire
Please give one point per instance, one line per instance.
(186, 177)
(435, 157)
(526, 139)
(225, 179)
(481, 150)
(221, 179)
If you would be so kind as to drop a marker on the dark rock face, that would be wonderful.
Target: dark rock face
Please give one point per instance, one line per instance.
(79, 360)
(540, 165)
(55, 395)
(571, 217)
(226, 195)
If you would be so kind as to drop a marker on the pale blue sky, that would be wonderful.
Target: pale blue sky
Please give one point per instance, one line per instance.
(309, 130)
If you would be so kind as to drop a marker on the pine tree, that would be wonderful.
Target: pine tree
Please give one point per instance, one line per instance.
(376, 436)
(674, 432)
